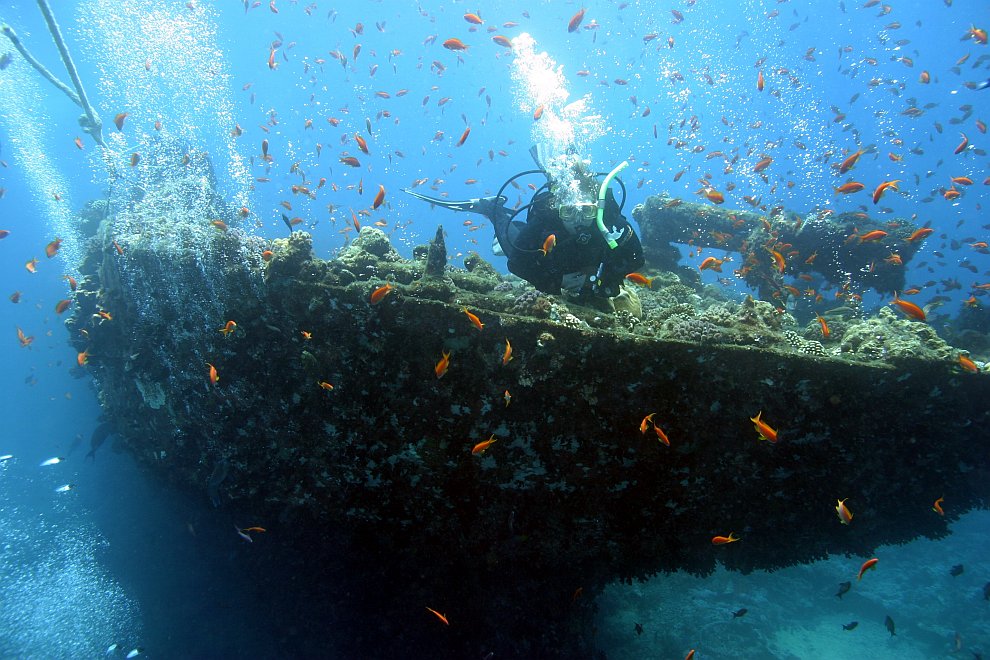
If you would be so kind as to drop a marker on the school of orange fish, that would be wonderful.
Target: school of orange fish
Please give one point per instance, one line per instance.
(767, 79)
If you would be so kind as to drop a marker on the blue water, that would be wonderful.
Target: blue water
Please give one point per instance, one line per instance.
(124, 558)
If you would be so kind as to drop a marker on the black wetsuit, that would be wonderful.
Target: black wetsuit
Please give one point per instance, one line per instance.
(582, 254)
(581, 251)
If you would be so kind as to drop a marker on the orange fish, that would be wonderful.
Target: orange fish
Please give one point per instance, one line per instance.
(714, 196)
(62, 305)
(464, 136)
(549, 244)
(118, 121)
(661, 436)
(507, 355)
(502, 41)
(439, 616)
(379, 198)
(537, 113)
(825, 330)
(882, 188)
(867, 565)
(967, 364)
(361, 143)
(228, 328)
(254, 529)
(267, 255)
(475, 321)
(116, 246)
(962, 145)
(874, 235)
(845, 515)
(645, 424)
(919, 234)
(379, 294)
(307, 336)
(690, 655)
(82, 359)
(214, 376)
(72, 282)
(848, 188)
(135, 159)
(219, 224)
(760, 81)
(575, 22)
(32, 266)
(778, 260)
(454, 44)
(4, 233)
(937, 506)
(766, 431)
(24, 339)
(480, 448)
(762, 164)
(52, 248)
(641, 280)
(711, 263)
(442, 365)
(850, 161)
(105, 315)
(507, 397)
(909, 308)
(78, 143)
(722, 540)
(350, 161)
(325, 385)
(473, 19)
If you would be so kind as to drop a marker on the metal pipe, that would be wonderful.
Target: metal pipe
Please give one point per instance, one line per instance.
(91, 122)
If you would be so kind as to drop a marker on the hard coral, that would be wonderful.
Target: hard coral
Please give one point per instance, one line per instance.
(532, 303)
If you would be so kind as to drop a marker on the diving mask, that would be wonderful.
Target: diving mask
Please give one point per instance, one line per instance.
(578, 215)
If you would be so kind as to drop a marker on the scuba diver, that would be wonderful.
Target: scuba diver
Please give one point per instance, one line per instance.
(587, 247)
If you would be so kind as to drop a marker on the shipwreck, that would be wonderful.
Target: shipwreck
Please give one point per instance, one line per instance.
(327, 421)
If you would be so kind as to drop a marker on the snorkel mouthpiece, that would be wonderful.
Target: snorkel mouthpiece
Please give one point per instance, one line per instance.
(602, 191)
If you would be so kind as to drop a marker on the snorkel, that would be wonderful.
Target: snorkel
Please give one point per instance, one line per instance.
(602, 191)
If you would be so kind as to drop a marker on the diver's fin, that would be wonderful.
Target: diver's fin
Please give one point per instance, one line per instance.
(535, 154)
(482, 205)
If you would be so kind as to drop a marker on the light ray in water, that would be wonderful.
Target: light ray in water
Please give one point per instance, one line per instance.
(23, 112)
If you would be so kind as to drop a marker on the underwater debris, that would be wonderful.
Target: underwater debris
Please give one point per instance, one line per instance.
(820, 243)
